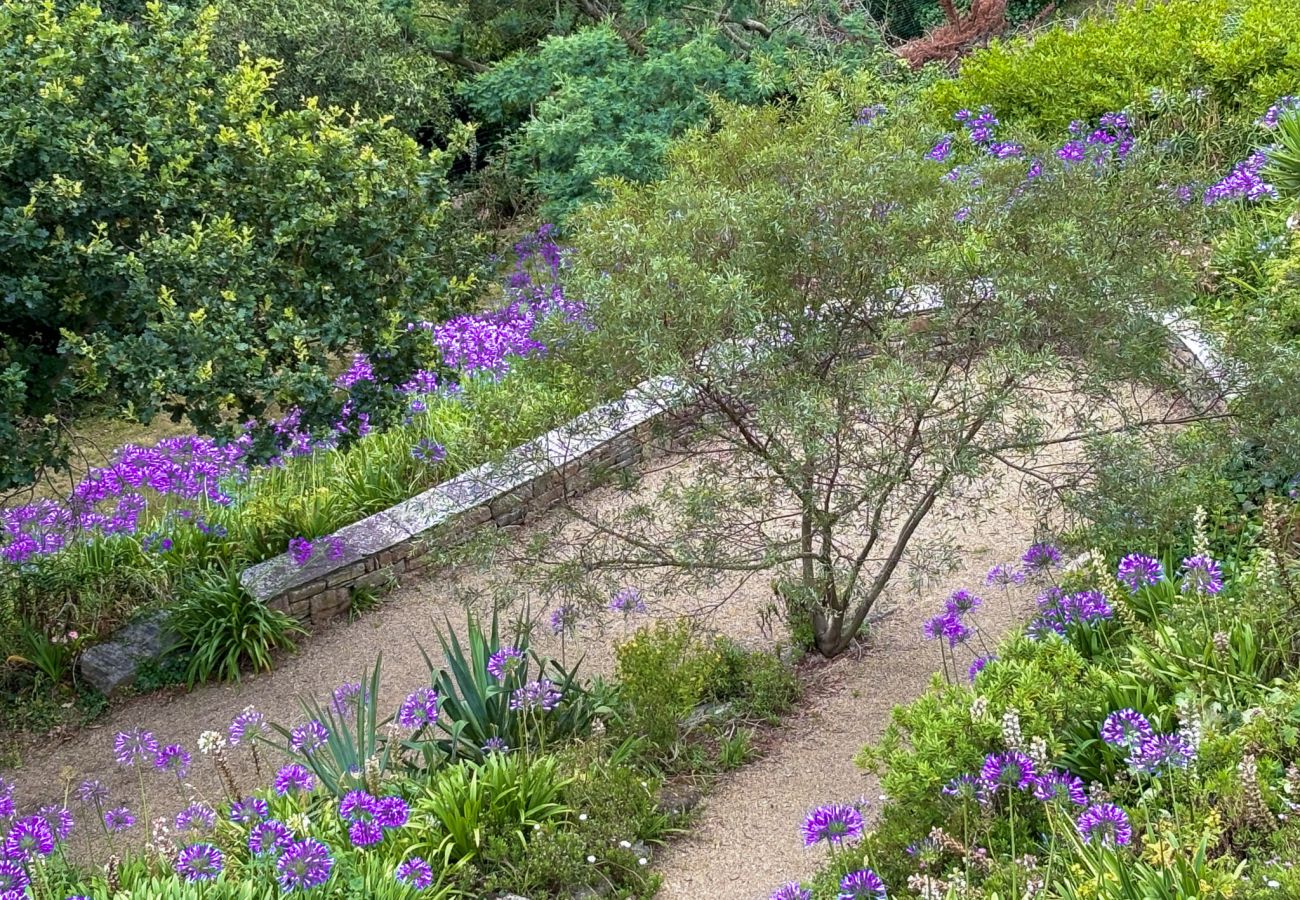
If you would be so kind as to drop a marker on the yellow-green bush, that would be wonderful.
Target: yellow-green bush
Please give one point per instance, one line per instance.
(1246, 53)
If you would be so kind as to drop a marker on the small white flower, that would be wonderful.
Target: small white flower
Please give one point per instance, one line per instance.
(591, 859)
(625, 844)
(1273, 883)
(582, 817)
(641, 861)
(537, 827)
(211, 742)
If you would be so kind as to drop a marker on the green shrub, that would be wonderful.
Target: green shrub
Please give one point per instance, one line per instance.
(223, 630)
(1246, 53)
(664, 672)
(757, 681)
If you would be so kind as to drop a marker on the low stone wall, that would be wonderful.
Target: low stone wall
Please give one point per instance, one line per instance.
(380, 550)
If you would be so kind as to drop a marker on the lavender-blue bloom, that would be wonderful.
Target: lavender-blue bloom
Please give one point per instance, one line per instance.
(832, 823)
(269, 837)
(247, 726)
(59, 819)
(1061, 787)
(134, 746)
(292, 778)
(977, 665)
(1004, 575)
(199, 862)
(308, 738)
(415, 873)
(249, 810)
(365, 834)
(13, 880)
(966, 787)
(304, 865)
(863, 884)
(1201, 575)
(564, 619)
(1125, 728)
(1105, 823)
(540, 694)
(1040, 557)
(505, 662)
(118, 819)
(196, 817)
(419, 709)
(791, 890)
(1012, 770)
(174, 759)
(942, 150)
(1158, 753)
(357, 806)
(495, 745)
(627, 600)
(1137, 571)
(29, 839)
(391, 812)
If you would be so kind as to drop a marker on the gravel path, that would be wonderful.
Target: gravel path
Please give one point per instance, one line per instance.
(747, 839)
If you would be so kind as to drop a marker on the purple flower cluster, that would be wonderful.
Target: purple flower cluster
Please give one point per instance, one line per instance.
(308, 738)
(1158, 753)
(564, 619)
(627, 601)
(1012, 771)
(415, 873)
(832, 823)
(863, 884)
(1201, 575)
(1041, 557)
(1275, 112)
(1058, 611)
(1004, 575)
(304, 865)
(792, 890)
(199, 862)
(419, 709)
(1125, 729)
(505, 662)
(360, 370)
(950, 625)
(540, 694)
(292, 779)
(1137, 571)
(1106, 824)
(869, 114)
(368, 816)
(1244, 182)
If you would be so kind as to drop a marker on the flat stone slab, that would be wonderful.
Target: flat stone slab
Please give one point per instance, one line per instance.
(360, 541)
(114, 663)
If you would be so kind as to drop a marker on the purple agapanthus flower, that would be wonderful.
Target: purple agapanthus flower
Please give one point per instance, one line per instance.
(627, 601)
(59, 819)
(505, 662)
(1060, 787)
(348, 697)
(1275, 112)
(961, 602)
(134, 746)
(365, 834)
(1012, 770)
(172, 758)
(196, 817)
(249, 810)
(91, 792)
(357, 806)
(962, 214)
(247, 726)
(977, 665)
(863, 884)
(1201, 575)
(564, 619)
(308, 738)
(292, 778)
(270, 836)
(495, 745)
(118, 819)
(199, 862)
(832, 823)
(1072, 152)
(300, 551)
(1137, 571)
(1244, 182)
(539, 694)
(1004, 575)
(429, 451)
(965, 787)
(29, 839)
(304, 865)
(947, 626)
(415, 873)
(1041, 557)
(13, 880)
(6, 799)
(419, 709)
(392, 812)
(791, 890)
(1125, 728)
(1105, 823)
(1158, 753)
(942, 150)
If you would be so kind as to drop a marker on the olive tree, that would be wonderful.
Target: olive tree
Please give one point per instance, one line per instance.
(862, 334)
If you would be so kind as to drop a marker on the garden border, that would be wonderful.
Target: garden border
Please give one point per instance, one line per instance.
(379, 551)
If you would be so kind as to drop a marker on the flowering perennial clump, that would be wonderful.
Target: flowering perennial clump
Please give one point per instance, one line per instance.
(1137, 571)
(832, 823)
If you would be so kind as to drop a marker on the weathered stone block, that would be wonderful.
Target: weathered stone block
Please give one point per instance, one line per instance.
(114, 663)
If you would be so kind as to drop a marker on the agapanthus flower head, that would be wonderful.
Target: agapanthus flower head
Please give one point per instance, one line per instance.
(540, 694)
(308, 738)
(347, 697)
(294, 778)
(978, 665)
(415, 873)
(1072, 152)
(941, 150)
(863, 884)
(92, 792)
(118, 819)
(300, 551)
(1201, 575)
(1105, 823)
(196, 817)
(965, 787)
(428, 451)
(13, 880)
(59, 819)
(199, 862)
(1004, 575)
(174, 759)
(947, 626)
(360, 370)
(249, 810)
(136, 745)
(1041, 557)
(247, 726)
(791, 890)
(961, 602)
(419, 709)
(357, 806)
(1011, 770)
(627, 601)
(29, 839)
(495, 745)
(304, 865)
(392, 812)
(365, 834)
(1275, 112)
(1060, 787)
(1245, 182)
(1125, 728)
(564, 619)
(1158, 753)
(832, 823)
(6, 799)
(505, 662)
(1058, 611)
(270, 836)
(1137, 571)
